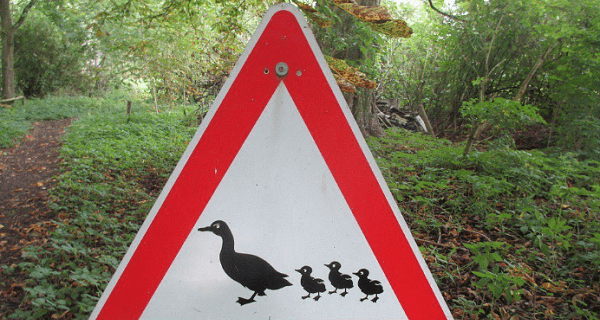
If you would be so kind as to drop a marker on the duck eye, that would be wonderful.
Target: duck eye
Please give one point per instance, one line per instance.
(217, 226)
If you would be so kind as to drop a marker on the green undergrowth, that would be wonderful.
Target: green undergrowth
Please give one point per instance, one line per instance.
(507, 233)
(16, 121)
(114, 167)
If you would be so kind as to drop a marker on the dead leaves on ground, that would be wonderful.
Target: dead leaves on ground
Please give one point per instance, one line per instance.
(532, 287)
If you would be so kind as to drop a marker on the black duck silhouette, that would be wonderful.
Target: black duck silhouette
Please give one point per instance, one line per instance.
(368, 286)
(250, 271)
(339, 280)
(311, 284)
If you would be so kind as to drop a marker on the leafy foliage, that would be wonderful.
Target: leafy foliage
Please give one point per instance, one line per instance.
(13, 126)
(114, 166)
(181, 49)
(506, 114)
(506, 233)
(515, 50)
(48, 59)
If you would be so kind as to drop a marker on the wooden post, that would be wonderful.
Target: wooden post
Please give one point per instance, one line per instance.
(128, 111)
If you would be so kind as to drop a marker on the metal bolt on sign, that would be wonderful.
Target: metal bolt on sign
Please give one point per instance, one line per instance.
(281, 69)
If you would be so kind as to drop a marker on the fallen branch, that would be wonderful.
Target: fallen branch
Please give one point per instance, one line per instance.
(13, 99)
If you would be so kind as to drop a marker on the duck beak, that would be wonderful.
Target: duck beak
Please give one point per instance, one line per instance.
(298, 270)
(355, 273)
(205, 229)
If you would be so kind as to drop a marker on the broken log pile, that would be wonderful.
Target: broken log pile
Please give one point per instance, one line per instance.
(391, 114)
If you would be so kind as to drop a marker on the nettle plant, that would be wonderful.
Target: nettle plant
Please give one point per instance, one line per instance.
(502, 114)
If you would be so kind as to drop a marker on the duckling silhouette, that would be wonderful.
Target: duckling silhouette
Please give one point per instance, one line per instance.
(248, 270)
(311, 284)
(368, 286)
(339, 280)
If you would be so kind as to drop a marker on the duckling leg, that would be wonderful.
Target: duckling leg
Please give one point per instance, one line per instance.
(317, 297)
(376, 298)
(365, 298)
(306, 296)
(243, 301)
(334, 291)
(343, 294)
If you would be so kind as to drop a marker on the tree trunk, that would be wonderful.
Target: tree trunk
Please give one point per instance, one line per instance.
(7, 32)
(8, 60)
(425, 118)
(473, 136)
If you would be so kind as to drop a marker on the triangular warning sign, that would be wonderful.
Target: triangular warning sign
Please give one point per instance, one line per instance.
(280, 166)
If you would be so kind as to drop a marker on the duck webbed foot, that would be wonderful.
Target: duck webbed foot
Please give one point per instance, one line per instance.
(243, 301)
(363, 299)
(334, 291)
(343, 294)
(317, 297)
(306, 296)
(375, 299)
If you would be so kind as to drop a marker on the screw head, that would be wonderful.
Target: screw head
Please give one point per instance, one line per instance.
(281, 69)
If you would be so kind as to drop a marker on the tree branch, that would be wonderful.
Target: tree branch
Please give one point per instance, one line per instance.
(534, 69)
(453, 17)
(28, 7)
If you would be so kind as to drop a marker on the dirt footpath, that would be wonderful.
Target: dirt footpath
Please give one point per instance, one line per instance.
(26, 174)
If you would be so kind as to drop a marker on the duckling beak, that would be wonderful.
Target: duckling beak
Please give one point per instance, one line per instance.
(356, 274)
(205, 229)
(298, 270)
